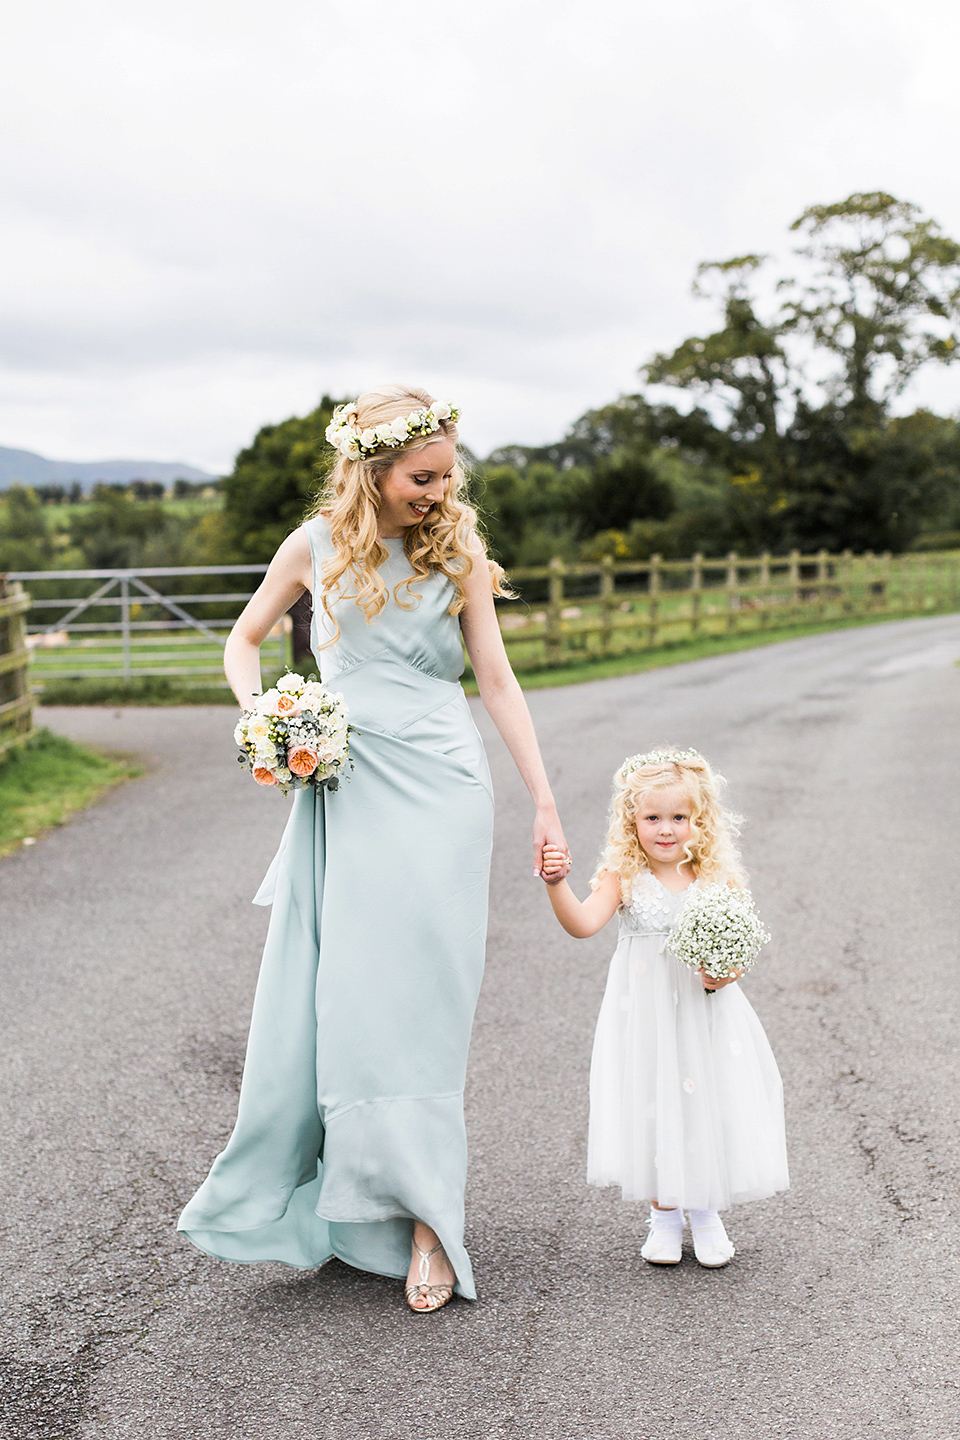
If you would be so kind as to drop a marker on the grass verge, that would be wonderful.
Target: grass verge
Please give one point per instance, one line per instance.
(48, 779)
(148, 690)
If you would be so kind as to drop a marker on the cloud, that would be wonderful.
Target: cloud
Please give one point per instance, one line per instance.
(213, 213)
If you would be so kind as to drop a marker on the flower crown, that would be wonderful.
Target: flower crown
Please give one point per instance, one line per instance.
(659, 757)
(356, 444)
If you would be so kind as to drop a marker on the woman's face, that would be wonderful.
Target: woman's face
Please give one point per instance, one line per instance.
(663, 825)
(415, 483)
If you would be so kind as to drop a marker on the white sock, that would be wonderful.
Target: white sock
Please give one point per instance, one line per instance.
(666, 1219)
(703, 1219)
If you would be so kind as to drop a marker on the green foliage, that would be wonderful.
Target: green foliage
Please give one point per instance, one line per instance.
(836, 470)
(116, 528)
(272, 484)
(25, 542)
(885, 300)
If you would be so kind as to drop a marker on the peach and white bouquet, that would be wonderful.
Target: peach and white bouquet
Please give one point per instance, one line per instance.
(296, 734)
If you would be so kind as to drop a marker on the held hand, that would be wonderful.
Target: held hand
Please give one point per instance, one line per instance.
(556, 865)
(547, 831)
(710, 982)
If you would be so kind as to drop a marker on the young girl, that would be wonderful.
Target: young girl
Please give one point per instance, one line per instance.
(686, 1103)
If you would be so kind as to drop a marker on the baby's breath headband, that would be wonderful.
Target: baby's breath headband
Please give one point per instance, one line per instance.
(659, 757)
(356, 444)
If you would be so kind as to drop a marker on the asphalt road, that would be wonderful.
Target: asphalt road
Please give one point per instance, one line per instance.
(129, 952)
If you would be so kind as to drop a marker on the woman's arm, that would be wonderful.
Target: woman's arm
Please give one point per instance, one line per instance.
(286, 579)
(582, 918)
(504, 703)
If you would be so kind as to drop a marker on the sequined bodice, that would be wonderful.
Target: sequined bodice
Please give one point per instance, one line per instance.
(653, 909)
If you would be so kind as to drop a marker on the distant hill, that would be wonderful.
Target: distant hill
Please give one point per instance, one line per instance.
(24, 468)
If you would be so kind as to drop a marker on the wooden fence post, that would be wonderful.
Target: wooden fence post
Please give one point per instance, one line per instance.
(821, 583)
(554, 636)
(606, 603)
(654, 603)
(844, 579)
(696, 593)
(764, 596)
(16, 701)
(733, 590)
(795, 583)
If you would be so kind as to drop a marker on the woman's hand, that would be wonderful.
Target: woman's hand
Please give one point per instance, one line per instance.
(710, 982)
(548, 832)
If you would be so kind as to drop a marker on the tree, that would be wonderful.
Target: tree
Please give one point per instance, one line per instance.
(114, 530)
(272, 483)
(885, 299)
(25, 541)
(821, 462)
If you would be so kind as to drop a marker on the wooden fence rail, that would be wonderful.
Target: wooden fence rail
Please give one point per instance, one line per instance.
(571, 612)
(172, 621)
(16, 703)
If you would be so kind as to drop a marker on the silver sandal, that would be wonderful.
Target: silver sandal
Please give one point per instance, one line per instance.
(437, 1295)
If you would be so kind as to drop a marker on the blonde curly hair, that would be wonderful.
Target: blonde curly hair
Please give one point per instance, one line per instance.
(711, 851)
(447, 539)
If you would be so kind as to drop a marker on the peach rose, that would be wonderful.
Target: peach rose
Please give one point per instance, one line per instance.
(302, 759)
(263, 776)
(287, 705)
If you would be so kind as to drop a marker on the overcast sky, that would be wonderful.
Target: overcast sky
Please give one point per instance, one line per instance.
(215, 210)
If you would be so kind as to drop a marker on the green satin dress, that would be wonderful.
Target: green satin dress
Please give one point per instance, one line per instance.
(350, 1121)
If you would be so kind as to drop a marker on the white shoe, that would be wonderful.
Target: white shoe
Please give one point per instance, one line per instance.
(711, 1243)
(664, 1244)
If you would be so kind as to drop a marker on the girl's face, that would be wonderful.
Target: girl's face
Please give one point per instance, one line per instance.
(414, 484)
(663, 826)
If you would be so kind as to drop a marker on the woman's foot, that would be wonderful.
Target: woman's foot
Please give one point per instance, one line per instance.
(430, 1279)
(711, 1243)
(664, 1244)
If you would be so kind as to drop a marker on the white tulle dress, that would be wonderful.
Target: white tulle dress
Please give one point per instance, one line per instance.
(686, 1101)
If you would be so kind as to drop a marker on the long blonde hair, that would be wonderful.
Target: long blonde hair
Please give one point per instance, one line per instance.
(447, 539)
(711, 850)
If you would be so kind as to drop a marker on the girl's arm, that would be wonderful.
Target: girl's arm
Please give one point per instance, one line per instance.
(504, 703)
(286, 579)
(582, 918)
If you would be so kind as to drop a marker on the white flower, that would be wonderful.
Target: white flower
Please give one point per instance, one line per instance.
(258, 729)
(240, 734)
(442, 410)
(291, 684)
(368, 439)
(351, 448)
(384, 434)
(400, 428)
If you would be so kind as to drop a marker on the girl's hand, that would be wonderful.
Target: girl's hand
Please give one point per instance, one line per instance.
(710, 982)
(556, 865)
(547, 830)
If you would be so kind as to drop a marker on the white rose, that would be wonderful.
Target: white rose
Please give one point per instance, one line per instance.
(290, 684)
(442, 411)
(258, 729)
(240, 734)
(368, 439)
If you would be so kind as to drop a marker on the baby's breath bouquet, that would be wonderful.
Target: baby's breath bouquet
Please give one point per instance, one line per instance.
(718, 931)
(296, 734)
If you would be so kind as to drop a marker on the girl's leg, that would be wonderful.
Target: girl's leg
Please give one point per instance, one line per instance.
(664, 1244)
(430, 1279)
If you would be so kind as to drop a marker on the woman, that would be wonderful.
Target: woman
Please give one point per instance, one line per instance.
(349, 1138)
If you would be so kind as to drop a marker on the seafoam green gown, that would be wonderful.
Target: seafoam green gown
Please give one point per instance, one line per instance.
(350, 1122)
